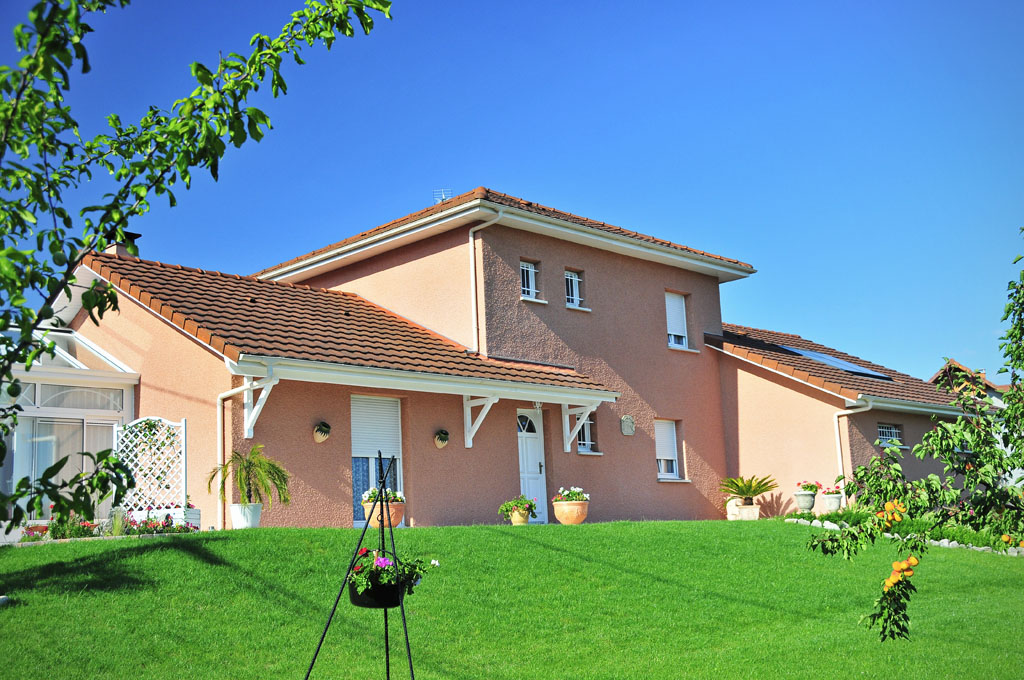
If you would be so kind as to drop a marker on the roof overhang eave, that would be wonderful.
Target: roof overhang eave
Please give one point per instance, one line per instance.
(257, 366)
(904, 406)
(480, 209)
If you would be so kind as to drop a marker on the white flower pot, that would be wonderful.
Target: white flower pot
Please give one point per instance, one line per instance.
(748, 512)
(805, 499)
(832, 501)
(246, 515)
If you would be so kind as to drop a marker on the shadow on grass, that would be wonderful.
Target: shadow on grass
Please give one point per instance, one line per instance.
(104, 571)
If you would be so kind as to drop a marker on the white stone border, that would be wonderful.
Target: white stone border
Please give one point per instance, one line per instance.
(944, 543)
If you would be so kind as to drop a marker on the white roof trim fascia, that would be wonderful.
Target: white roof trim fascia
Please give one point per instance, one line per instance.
(846, 400)
(75, 376)
(383, 378)
(903, 406)
(167, 321)
(626, 245)
(432, 223)
(724, 271)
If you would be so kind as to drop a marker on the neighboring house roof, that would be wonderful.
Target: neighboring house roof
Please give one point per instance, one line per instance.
(769, 349)
(939, 376)
(499, 199)
(242, 315)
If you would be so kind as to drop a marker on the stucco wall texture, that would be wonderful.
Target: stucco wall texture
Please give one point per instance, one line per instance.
(622, 342)
(179, 378)
(453, 485)
(426, 281)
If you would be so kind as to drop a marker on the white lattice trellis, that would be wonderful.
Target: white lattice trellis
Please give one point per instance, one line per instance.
(154, 450)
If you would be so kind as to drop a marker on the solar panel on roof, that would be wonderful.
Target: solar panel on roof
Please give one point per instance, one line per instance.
(836, 362)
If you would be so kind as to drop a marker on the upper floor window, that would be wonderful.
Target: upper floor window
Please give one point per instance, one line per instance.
(889, 434)
(573, 289)
(528, 280)
(675, 314)
(585, 438)
(666, 449)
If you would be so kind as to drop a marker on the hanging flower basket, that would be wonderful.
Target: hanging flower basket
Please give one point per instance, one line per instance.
(381, 596)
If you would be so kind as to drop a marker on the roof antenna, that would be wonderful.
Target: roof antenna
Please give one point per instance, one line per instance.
(441, 195)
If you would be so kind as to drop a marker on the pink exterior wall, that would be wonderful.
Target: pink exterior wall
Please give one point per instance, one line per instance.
(622, 343)
(777, 426)
(426, 281)
(453, 485)
(179, 378)
(863, 431)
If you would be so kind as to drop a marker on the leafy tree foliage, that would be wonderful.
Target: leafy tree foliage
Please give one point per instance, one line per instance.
(982, 455)
(43, 157)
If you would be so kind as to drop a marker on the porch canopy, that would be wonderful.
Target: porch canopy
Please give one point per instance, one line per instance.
(269, 331)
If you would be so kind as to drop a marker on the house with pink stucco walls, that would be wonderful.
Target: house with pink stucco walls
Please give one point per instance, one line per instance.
(555, 350)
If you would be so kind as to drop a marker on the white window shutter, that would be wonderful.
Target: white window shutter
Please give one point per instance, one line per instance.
(376, 425)
(675, 313)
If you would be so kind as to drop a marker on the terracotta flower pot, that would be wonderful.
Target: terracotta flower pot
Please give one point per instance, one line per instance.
(394, 518)
(519, 517)
(376, 597)
(570, 512)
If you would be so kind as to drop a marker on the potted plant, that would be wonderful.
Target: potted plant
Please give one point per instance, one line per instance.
(745, 490)
(805, 493)
(519, 510)
(396, 507)
(377, 582)
(256, 476)
(833, 497)
(570, 505)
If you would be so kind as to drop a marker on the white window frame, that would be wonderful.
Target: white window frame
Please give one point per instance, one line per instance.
(585, 442)
(885, 438)
(669, 452)
(573, 289)
(675, 320)
(528, 286)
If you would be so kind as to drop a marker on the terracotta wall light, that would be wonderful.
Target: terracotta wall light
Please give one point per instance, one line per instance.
(441, 438)
(321, 431)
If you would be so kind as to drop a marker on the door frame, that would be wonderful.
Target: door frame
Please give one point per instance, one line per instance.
(537, 417)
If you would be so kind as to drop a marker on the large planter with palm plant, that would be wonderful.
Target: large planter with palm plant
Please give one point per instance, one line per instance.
(256, 476)
(745, 490)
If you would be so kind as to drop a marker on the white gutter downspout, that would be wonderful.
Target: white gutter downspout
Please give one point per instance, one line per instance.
(839, 445)
(262, 382)
(472, 276)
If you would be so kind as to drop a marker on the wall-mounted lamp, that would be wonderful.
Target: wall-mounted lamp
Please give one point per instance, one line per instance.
(321, 431)
(441, 439)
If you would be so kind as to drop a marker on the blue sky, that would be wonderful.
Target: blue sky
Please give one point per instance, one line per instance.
(864, 157)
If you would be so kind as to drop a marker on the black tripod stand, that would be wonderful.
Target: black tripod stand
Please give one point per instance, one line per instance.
(382, 507)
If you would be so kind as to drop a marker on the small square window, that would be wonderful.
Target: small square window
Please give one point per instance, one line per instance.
(889, 434)
(586, 438)
(528, 280)
(573, 289)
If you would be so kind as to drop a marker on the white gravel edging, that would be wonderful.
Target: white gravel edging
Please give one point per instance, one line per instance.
(944, 543)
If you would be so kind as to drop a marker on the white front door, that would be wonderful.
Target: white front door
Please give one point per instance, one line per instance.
(531, 461)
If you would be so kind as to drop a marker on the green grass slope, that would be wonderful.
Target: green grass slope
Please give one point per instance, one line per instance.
(617, 600)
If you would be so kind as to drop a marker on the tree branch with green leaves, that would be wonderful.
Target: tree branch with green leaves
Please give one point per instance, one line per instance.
(43, 157)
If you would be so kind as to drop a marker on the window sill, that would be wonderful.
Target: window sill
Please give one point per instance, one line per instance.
(589, 453)
(680, 348)
(578, 309)
(674, 480)
(537, 301)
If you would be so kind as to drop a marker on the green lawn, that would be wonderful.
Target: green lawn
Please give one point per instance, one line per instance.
(618, 600)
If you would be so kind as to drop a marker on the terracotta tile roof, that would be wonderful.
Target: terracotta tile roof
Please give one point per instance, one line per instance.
(498, 198)
(767, 349)
(939, 376)
(243, 315)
